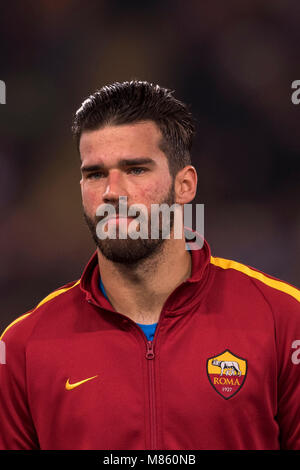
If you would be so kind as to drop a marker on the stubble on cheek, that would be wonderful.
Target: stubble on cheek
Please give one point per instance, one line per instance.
(154, 193)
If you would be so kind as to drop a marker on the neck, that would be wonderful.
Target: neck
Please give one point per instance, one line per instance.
(140, 291)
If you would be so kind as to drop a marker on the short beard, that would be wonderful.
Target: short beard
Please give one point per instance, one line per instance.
(129, 251)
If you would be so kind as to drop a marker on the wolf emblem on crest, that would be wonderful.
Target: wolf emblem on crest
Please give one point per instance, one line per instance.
(231, 366)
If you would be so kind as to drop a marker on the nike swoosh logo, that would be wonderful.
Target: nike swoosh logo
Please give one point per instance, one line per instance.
(76, 384)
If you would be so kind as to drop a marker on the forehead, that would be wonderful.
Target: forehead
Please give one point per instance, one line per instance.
(113, 142)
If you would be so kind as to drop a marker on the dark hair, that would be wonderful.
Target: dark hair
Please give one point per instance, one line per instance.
(135, 101)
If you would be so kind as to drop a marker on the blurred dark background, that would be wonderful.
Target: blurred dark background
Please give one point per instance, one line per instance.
(232, 62)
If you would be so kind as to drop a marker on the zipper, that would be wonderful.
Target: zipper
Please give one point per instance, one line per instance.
(150, 355)
(150, 350)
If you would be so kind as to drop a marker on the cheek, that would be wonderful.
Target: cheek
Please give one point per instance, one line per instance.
(146, 194)
(154, 193)
(161, 188)
(90, 200)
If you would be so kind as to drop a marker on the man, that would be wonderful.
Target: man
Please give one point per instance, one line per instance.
(158, 345)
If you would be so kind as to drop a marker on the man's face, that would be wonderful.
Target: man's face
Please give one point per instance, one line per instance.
(126, 161)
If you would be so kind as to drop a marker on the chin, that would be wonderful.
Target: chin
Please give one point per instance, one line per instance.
(129, 251)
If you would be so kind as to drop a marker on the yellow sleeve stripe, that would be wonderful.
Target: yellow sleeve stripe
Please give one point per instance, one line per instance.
(276, 284)
(46, 299)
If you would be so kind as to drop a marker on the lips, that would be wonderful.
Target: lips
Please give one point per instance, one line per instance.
(119, 221)
(114, 217)
(117, 218)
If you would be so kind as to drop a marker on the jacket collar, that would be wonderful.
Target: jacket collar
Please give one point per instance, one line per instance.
(182, 298)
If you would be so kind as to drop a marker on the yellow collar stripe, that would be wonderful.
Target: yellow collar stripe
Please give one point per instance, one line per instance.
(276, 284)
(46, 299)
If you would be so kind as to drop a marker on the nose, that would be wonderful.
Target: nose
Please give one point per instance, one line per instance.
(114, 187)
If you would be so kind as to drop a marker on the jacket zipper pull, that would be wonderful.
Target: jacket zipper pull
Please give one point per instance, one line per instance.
(150, 350)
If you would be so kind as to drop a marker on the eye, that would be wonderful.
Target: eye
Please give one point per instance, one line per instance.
(137, 170)
(95, 175)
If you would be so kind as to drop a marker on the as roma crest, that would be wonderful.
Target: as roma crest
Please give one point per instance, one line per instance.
(226, 373)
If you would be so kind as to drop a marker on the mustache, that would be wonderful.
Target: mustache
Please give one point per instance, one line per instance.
(109, 211)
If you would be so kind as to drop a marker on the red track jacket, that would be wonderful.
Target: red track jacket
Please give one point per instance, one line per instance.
(221, 373)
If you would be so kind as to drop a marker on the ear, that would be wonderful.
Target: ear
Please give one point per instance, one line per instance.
(186, 185)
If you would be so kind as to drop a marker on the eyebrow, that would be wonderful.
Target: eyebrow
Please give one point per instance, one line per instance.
(121, 164)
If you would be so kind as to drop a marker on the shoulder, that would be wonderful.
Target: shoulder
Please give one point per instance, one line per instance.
(20, 329)
(276, 292)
